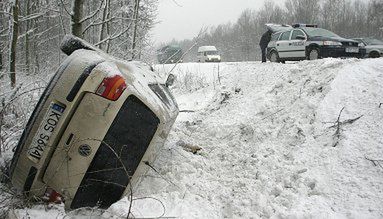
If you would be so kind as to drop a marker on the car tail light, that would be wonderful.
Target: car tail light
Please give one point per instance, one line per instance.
(111, 87)
(52, 196)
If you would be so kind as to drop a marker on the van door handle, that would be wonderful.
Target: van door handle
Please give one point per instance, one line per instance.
(277, 44)
(289, 44)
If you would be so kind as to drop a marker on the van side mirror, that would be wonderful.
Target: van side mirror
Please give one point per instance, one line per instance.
(301, 37)
(170, 80)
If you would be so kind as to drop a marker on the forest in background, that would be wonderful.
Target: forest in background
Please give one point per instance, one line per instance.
(31, 31)
(239, 41)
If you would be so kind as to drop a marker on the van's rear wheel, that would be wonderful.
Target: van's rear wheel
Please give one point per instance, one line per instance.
(274, 57)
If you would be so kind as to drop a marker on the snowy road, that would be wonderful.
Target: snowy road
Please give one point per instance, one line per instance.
(265, 143)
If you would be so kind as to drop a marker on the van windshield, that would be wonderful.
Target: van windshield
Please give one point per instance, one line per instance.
(211, 52)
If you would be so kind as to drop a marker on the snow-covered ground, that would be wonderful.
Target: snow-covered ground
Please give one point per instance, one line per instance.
(262, 141)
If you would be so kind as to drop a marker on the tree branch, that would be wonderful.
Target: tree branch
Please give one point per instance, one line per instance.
(93, 14)
(96, 24)
(338, 125)
(66, 10)
(112, 37)
(375, 162)
(32, 16)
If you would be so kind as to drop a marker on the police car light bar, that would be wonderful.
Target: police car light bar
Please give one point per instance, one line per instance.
(304, 25)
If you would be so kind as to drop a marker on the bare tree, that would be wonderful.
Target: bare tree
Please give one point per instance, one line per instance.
(76, 16)
(302, 11)
(135, 17)
(14, 26)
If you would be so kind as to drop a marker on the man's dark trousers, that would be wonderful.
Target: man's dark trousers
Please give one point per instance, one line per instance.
(263, 49)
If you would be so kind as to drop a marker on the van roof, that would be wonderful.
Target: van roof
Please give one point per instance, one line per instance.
(206, 48)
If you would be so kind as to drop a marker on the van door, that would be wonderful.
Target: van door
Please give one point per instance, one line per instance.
(283, 44)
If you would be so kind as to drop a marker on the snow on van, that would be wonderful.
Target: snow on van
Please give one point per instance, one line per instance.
(208, 54)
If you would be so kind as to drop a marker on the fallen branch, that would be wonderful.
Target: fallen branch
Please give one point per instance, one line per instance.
(337, 132)
(186, 111)
(272, 114)
(151, 167)
(348, 121)
(338, 125)
(375, 162)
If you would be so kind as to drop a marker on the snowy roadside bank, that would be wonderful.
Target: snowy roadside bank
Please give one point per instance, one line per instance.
(264, 145)
(267, 146)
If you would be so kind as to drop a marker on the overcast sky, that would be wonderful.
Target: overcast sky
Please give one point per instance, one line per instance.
(182, 19)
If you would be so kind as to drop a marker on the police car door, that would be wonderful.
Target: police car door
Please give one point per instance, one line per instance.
(297, 44)
(283, 44)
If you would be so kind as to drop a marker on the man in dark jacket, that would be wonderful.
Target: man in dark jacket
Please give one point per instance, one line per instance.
(265, 39)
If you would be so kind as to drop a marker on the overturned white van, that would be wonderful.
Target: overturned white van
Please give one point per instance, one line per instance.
(208, 54)
(98, 123)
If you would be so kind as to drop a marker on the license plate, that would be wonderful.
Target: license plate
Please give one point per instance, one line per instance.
(352, 49)
(43, 134)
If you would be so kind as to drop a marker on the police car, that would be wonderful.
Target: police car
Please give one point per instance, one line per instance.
(303, 41)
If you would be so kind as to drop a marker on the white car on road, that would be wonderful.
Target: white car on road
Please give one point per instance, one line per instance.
(374, 47)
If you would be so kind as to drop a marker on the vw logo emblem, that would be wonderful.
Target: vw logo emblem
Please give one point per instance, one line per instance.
(84, 150)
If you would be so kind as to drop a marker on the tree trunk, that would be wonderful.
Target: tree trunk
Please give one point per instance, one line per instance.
(105, 24)
(102, 28)
(2, 26)
(136, 9)
(1, 62)
(108, 27)
(77, 14)
(14, 27)
(27, 12)
(33, 39)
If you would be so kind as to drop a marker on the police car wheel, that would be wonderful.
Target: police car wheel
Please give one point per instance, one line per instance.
(313, 54)
(274, 56)
(374, 55)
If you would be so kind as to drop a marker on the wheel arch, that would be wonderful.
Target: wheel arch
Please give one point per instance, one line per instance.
(377, 52)
(269, 51)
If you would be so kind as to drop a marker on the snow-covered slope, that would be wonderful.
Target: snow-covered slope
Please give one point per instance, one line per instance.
(267, 144)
